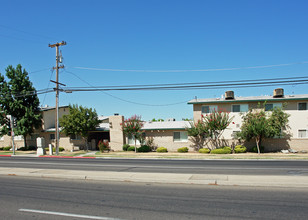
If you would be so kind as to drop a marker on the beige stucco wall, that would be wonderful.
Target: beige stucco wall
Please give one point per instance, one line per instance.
(117, 139)
(49, 117)
(164, 138)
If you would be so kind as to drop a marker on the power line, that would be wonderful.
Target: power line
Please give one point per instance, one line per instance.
(198, 83)
(237, 84)
(26, 32)
(191, 70)
(124, 100)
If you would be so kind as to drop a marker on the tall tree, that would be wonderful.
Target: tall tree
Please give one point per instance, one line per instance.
(132, 127)
(18, 98)
(211, 127)
(80, 121)
(259, 125)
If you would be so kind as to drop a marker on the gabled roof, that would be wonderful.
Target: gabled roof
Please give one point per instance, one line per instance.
(249, 99)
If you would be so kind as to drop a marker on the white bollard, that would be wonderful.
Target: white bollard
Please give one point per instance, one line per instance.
(50, 149)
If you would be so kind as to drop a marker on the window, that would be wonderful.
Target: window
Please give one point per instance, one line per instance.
(131, 139)
(302, 133)
(269, 107)
(180, 136)
(75, 137)
(240, 108)
(208, 108)
(52, 136)
(302, 106)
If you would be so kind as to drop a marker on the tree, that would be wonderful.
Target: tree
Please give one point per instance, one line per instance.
(217, 122)
(79, 121)
(18, 98)
(132, 127)
(211, 126)
(198, 132)
(155, 120)
(260, 124)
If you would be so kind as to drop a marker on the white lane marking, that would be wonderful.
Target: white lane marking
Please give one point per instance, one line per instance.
(165, 167)
(66, 214)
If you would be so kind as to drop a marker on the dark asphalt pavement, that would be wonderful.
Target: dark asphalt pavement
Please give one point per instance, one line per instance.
(229, 167)
(25, 198)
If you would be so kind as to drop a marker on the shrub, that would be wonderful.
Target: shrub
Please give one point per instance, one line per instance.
(125, 146)
(144, 148)
(183, 150)
(60, 149)
(7, 148)
(103, 146)
(28, 148)
(1, 148)
(224, 150)
(255, 149)
(240, 149)
(204, 150)
(131, 148)
(161, 150)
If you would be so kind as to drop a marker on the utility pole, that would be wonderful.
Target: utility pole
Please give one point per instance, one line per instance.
(58, 59)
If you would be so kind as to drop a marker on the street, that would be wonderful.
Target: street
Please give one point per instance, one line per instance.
(23, 198)
(227, 167)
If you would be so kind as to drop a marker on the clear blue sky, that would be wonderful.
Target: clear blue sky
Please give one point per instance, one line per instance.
(154, 35)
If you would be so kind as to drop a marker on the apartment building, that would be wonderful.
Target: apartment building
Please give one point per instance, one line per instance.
(295, 105)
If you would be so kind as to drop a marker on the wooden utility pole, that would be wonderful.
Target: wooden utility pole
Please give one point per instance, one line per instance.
(56, 45)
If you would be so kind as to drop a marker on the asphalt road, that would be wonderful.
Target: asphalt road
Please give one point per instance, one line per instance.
(228, 167)
(24, 198)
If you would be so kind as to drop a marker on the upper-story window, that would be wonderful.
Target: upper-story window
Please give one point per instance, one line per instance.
(209, 108)
(302, 106)
(269, 107)
(240, 108)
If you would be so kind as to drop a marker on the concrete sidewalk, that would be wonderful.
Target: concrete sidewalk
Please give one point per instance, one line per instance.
(170, 178)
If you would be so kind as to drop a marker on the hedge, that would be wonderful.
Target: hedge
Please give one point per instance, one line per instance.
(183, 150)
(240, 149)
(224, 150)
(161, 150)
(144, 148)
(204, 150)
(125, 147)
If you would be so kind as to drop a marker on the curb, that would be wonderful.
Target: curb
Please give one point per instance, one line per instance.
(75, 157)
(5, 155)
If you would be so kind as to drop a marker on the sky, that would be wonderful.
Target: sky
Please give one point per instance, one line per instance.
(147, 41)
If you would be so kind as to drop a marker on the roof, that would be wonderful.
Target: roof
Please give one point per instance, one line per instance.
(101, 127)
(51, 108)
(249, 99)
(166, 125)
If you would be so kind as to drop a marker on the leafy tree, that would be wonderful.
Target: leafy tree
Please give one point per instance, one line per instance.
(259, 125)
(160, 119)
(132, 127)
(217, 122)
(18, 98)
(198, 132)
(211, 127)
(79, 121)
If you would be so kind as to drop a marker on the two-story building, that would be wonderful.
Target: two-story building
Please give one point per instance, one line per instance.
(295, 105)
